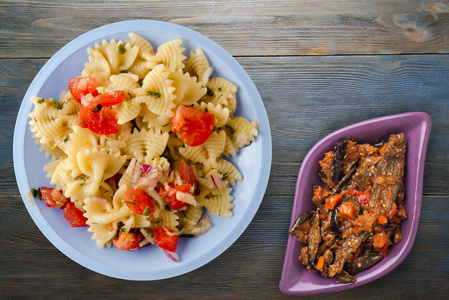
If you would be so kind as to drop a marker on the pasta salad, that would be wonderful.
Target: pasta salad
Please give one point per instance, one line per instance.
(138, 145)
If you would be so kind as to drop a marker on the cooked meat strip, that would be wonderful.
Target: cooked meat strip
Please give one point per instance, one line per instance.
(313, 241)
(362, 263)
(389, 176)
(339, 157)
(345, 253)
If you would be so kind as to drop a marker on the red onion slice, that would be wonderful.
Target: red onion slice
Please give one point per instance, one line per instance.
(172, 256)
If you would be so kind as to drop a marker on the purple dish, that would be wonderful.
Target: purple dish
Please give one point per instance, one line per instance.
(416, 126)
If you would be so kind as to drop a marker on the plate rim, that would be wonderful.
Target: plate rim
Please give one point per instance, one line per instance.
(264, 135)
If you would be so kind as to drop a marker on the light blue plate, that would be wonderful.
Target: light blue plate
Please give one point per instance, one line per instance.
(149, 263)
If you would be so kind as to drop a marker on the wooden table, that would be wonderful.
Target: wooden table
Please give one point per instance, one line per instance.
(318, 65)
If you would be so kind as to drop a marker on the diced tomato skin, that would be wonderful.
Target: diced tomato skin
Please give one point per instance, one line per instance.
(196, 126)
(82, 86)
(103, 122)
(47, 197)
(363, 197)
(353, 192)
(164, 240)
(186, 173)
(168, 193)
(74, 216)
(109, 98)
(138, 201)
(128, 240)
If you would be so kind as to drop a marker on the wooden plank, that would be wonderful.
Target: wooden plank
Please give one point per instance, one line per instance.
(252, 28)
(305, 98)
(336, 91)
(249, 269)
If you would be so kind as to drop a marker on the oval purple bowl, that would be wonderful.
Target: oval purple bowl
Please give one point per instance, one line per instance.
(416, 126)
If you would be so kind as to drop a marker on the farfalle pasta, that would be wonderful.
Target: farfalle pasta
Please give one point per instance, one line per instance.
(138, 144)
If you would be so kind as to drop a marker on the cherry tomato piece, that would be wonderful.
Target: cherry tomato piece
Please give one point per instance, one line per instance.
(109, 98)
(196, 126)
(164, 240)
(82, 86)
(128, 240)
(102, 122)
(74, 216)
(47, 197)
(186, 173)
(363, 197)
(168, 193)
(139, 201)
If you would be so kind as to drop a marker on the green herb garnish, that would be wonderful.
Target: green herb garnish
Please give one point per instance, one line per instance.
(147, 211)
(41, 100)
(36, 193)
(154, 94)
(187, 235)
(56, 104)
(209, 92)
(166, 154)
(121, 49)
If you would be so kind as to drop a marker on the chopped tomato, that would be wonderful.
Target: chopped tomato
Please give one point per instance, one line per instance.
(47, 197)
(53, 197)
(74, 216)
(196, 126)
(164, 239)
(347, 211)
(384, 249)
(128, 240)
(82, 86)
(323, 217)
(363, 197)
(186, 173)
(332, 202)
(139, 201)
(168, 193)
(109, 98)
(102, 122)
(353, 192)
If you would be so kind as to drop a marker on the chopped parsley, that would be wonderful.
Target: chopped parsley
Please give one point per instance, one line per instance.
(166, 154)
(121, 49)
(56, 104)
(219, 89)
(147, 211)
(36, 193)
(66, 139)
(154, 94)
(41, 100)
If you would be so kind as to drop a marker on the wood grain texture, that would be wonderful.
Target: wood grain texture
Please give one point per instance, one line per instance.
(318, 65)
(265, 28)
